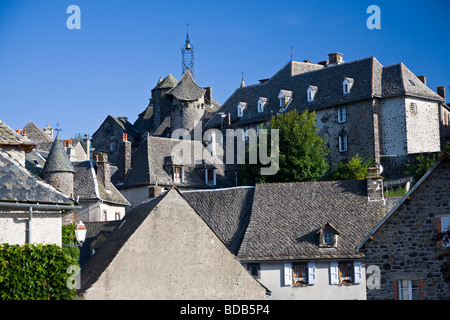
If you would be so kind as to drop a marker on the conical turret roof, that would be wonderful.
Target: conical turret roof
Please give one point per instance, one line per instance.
(58, 160)
(187, 89)
(167, 83)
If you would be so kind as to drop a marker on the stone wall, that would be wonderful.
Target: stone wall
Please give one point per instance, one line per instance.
(403, 247)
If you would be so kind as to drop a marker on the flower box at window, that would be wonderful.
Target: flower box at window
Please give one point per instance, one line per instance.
(300, 273)
(345, 272)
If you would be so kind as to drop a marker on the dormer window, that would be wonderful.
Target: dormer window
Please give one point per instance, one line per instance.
(347, 85)
(285, 97)
(311, 92)
(240, 109)
(328, 236)
(261, 104)
(210, 176)
(178, 174)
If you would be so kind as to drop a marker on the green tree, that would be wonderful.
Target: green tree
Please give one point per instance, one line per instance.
(302, 151)
(355, 169)
(421, 165)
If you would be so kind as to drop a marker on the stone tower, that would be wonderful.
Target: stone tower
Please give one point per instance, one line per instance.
(58, 171)
(161, 104)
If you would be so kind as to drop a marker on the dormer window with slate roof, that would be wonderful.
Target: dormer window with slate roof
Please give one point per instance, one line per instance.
(328, 236)
(285, 97)
(347, 85)
(240, 109)
(261, 104)
(311, 92)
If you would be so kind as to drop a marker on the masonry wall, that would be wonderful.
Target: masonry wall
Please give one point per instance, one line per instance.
(403, 247)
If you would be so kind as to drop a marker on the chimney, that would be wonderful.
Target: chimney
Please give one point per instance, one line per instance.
(208, 95)
(441, 91)
(70, 150)
(323, 63)
(104, 170)
(154, 191)
(375, 189)
(423, 79)
(124, 157)
(88, 147)
(335, 58)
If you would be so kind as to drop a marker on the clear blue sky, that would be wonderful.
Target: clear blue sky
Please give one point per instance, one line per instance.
(50, 74)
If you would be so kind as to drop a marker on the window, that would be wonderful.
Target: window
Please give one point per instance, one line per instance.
(345, 272)
(261, 104)
(117, 215)
(408, 290)
(311, 93)
(112, 146)
(347, 85)
(285, 97)
(413, 108)
(254, 269)
(328, 238)
(445, 225)
(300, 273)
(240, 109)
(210, 176)
(342, 143)
(178, 174)
(342, 115)
(105, 215)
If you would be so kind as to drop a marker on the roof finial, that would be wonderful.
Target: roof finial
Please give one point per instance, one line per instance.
(292, 53)
(187, 55)
(242, 81)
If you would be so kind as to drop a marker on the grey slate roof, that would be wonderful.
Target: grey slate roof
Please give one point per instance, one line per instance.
(152, 164)
(168, 82)
(370, 79)
(286, 217)
(88, 187)
(57, 159)
(226, 211)
(19, 185)
(187, 89)
(36, 134)
(8, 137)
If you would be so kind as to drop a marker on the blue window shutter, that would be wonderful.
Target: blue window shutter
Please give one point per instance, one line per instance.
(357, 271)
(311, 273)
(334, 272)
(288, 274)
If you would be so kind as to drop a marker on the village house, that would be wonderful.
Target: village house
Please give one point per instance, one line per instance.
(362, 107)
(402, 246)
(174, 255)
(298, 239)
(31, 210)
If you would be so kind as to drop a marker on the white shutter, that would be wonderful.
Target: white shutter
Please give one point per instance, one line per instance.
(311, 273)
(357, 271)
(288, 274)
(334, 272)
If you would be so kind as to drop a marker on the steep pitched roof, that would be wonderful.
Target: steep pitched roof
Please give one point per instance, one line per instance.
(19, 185)
(88, 187)
(57, 159)
(187, 89)
(168, 82)
(226, 211)
(8, 137)
(370, 79)
(286, 217)
(36, 134)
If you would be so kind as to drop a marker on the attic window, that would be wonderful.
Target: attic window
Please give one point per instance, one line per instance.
(285, 97)
(261, 104)
(240, 109)
(327, 236)
(412, 82)
(178, 174)
(328, 239)
(347, 85)
(210, 176)
(311, 92)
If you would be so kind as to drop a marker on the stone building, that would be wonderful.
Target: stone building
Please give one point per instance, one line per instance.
(401, 245)
(362, 107)
(174, 255)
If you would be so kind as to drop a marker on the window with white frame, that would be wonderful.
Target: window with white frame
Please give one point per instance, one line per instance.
(178, 173)
(345, 272)
(445, 226)
(342, 115)
(311, 93)
(342, 143)
(299, 273)
(210, 176)
(240, 109)
(347, 85)
(261, 104)
(285, 97)
(408, 289)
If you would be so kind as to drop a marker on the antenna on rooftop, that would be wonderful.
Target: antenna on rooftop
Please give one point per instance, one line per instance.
(292, 53)
(187, 55)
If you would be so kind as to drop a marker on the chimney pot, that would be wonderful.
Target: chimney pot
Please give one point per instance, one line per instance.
(375, 189)
(423, 79)
(335, 58)
(124, 137)
(441, 91)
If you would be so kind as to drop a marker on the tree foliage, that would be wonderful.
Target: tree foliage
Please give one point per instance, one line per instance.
(302, 151)
(355, 169)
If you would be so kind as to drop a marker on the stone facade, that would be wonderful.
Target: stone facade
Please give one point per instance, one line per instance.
(403, 248)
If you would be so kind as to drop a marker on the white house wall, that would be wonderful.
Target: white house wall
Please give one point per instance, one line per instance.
(272, 277)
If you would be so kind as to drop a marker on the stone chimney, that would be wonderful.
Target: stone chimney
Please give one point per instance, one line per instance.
(441, 91)
(335, 58)
(208, 95)
(423, 79)
(87, 143)
(154, 191)
(124, 157)
(104, 170)
(71, 152)
(375, 189)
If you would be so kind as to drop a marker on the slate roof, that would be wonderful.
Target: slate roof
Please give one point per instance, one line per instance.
(152, 164)
(226, 211)
(88, 187)
(370, 79)
(8, 137)
(36, 134)
(168, 82)
(19, 185)
(187, 89)
(286, 217)
(57, 159)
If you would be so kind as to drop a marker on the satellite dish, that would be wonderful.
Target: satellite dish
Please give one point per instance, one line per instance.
(379, 166)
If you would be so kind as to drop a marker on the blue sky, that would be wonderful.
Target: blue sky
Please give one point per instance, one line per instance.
(50, 74)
